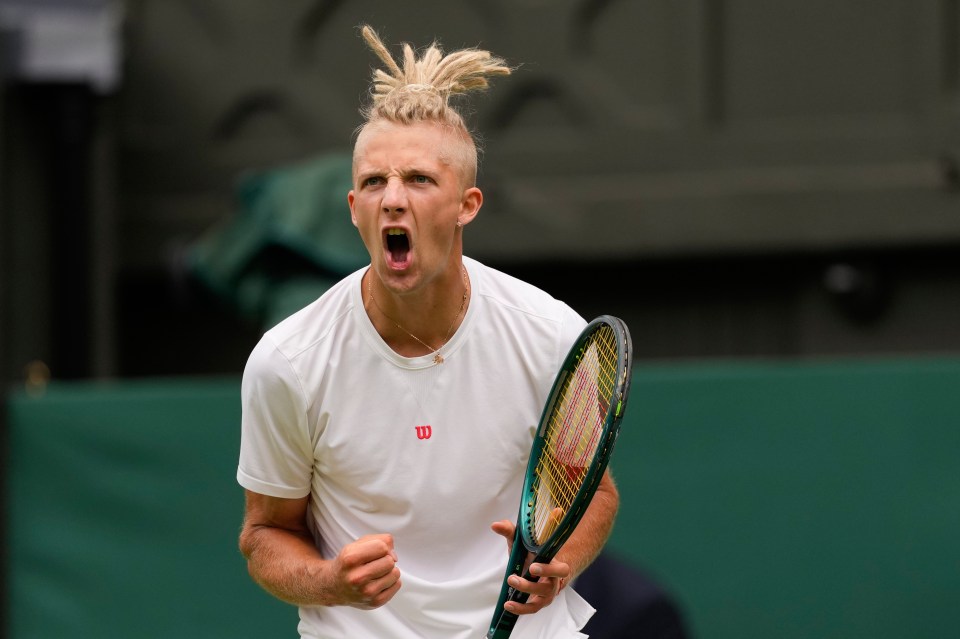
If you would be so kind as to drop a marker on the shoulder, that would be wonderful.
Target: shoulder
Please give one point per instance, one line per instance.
(524, 304)
(299, 343)
(315, 323)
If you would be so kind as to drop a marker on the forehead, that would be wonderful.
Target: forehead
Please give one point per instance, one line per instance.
(417, 143)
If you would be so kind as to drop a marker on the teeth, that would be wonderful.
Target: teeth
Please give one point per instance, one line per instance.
(395, 232)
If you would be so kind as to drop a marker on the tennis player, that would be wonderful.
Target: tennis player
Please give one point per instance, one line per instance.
(386, 426)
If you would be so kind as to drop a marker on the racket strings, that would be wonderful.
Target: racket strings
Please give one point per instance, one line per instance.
(574, 430)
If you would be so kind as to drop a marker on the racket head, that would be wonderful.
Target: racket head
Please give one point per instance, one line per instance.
(575, 437)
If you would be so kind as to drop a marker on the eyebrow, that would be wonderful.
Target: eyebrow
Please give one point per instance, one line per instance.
(367, 172)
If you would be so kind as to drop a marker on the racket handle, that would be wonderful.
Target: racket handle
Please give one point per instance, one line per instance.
(504, 626)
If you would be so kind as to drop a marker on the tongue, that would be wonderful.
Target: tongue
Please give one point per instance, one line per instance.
(398, 255)
(399, 248)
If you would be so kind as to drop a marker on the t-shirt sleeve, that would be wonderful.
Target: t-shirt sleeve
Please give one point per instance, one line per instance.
(571, 326)
(276, 454)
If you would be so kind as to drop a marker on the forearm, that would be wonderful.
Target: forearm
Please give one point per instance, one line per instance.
(577, 553)
(594, 529)
(287, 565)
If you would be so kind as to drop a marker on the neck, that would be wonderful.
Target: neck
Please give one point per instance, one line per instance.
(414, 325)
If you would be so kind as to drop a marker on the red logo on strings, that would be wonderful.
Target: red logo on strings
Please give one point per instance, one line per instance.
(424, 432)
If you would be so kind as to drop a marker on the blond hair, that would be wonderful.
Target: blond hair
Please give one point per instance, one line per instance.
(420, 90)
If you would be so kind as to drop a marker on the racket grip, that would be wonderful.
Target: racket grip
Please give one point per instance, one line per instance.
(504, 626)
(502, 623)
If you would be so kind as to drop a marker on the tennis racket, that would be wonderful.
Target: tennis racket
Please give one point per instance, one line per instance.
(571, 449)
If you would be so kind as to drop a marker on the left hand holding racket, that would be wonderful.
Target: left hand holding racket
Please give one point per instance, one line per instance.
(567, 465)
(551, 577)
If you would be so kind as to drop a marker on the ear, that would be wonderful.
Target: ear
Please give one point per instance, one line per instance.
(353, 215)
(470, 205)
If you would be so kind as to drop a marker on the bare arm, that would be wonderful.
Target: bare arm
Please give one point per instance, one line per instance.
(583, 546)
(283, 559)
(594, 529)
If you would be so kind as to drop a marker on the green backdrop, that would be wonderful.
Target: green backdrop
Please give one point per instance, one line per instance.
(798, 500)
(787, 500)
(124, 515)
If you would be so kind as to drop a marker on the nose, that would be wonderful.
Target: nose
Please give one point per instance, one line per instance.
(394, 197)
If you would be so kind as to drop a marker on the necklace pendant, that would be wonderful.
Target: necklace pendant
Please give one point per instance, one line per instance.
(437, 358)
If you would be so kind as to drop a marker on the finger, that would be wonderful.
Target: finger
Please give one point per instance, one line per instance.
(542, 587)
(553, 520)
(372, 584)
(540, 595)
(534, 604)
(541, 590)
(504, 528)
(376, 593)
(380, 538)
(367, 549)
(373, 588)
(384, 595)
(555, 569)
(378, 568)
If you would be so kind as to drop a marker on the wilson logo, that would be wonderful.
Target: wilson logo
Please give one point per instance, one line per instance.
(424, 432)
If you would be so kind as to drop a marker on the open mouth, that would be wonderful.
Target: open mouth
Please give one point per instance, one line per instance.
(398, 247)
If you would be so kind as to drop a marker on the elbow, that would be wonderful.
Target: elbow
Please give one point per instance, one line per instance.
(247, 542)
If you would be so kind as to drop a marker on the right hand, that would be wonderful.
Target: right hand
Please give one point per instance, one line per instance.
(366, 572)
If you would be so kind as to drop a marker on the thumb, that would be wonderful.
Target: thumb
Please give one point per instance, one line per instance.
(506, 529)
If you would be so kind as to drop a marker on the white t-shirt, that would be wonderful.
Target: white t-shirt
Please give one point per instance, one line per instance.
(432, 454)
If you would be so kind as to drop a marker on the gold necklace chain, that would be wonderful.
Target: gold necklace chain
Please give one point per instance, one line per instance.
(437, 357)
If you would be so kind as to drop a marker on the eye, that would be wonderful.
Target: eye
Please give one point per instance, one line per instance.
(373, 181)
(421, 179)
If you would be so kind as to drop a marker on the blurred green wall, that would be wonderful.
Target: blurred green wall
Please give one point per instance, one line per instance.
(124, 513)
(798, 500)
(786, 500)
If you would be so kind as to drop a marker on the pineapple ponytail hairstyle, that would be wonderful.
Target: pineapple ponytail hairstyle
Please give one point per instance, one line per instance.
(417, 90)
(421, 88)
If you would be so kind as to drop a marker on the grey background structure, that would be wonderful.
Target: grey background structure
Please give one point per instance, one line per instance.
(734, 177)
